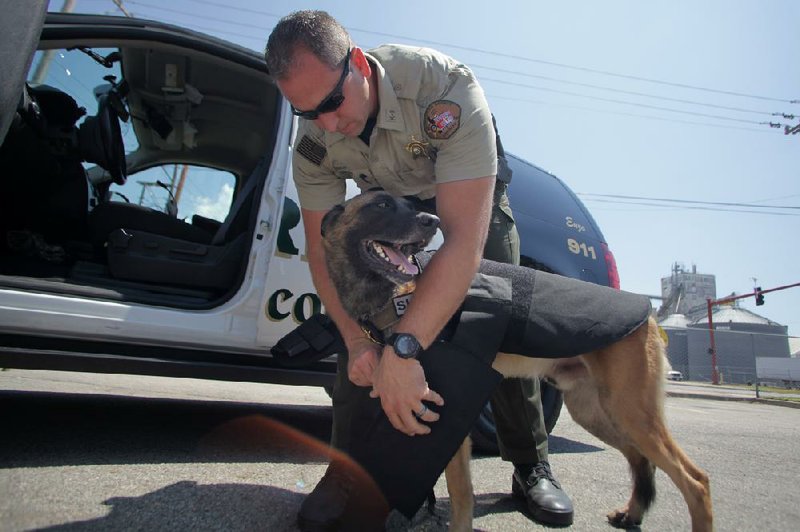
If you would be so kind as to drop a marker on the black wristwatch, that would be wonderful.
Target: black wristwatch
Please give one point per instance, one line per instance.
(405, 345)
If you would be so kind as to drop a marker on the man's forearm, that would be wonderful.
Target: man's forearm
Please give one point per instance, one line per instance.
(443, 285)
(439, 293)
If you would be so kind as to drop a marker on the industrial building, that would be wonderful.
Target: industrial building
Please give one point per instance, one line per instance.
(740, 334)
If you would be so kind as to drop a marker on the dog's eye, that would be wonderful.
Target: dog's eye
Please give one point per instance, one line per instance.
(383, 204)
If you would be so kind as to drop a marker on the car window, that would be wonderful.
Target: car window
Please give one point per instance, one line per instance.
(207, 192)
(74, 72)
(196, 189)
(79, 74)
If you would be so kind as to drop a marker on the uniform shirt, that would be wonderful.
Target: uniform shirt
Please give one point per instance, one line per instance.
(433, 126)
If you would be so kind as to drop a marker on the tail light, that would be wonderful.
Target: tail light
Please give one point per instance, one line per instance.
(611, 265)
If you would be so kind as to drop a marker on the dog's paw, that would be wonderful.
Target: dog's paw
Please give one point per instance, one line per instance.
(622, 519)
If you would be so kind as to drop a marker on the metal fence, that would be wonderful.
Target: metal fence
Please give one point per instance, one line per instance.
(689, 353)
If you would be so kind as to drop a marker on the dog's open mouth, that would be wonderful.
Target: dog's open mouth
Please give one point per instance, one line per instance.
(396, 260)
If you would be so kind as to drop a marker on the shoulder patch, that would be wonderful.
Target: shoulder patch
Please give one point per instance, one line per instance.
(311, 150)
(442, 119)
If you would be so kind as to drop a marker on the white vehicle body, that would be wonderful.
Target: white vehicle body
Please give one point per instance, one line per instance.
(241, 323)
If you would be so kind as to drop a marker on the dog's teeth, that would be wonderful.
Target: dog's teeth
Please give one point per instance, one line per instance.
(391, 256)
(381, 252)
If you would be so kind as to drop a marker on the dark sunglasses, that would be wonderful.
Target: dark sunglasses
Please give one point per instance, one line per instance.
(332, 101)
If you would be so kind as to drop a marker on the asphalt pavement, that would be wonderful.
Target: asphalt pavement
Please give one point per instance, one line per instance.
(115, 452)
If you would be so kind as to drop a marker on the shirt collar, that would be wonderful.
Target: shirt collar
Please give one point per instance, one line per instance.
(390, 115)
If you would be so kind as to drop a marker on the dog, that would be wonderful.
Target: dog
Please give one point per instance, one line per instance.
(616, 393)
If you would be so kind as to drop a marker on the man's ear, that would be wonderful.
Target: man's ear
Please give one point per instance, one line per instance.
(330, 219)
(359, 60)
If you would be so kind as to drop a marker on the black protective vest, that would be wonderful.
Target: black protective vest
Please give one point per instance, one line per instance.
(508, 308)
(552, 316)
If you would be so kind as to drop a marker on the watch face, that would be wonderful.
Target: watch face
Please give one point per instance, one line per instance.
(406, 346)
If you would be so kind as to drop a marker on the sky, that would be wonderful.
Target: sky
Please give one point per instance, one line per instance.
(659, 100)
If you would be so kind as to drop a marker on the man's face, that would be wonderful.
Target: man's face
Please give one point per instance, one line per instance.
(311, 83)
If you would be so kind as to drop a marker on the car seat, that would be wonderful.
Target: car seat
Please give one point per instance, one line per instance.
(168, 255)
(111, 215)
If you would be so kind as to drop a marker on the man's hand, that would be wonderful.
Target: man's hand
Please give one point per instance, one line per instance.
(362, 360)
(402, 387)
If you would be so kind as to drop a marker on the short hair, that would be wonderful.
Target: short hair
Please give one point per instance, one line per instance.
(316, 31)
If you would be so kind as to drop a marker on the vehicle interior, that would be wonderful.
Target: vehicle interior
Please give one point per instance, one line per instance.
(132, 171)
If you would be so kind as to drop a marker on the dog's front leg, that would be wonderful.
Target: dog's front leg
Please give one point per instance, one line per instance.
(459, 486)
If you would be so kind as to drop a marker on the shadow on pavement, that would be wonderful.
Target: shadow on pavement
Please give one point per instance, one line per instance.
(557, 444)
(51, 429)
(187, 506)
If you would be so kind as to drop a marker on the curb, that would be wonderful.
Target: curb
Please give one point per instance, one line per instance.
(774, 402)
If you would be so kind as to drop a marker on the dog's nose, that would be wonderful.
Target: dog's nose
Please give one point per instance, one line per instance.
(427, 220)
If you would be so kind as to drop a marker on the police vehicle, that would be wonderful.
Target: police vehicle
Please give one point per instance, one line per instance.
(148, 219)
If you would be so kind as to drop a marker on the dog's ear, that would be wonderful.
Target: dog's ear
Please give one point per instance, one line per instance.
(330, 218)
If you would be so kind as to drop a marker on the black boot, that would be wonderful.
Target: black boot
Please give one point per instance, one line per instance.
(545, 499)
(324, 507)
(345, 499)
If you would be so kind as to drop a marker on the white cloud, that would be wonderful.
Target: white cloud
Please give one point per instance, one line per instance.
(213, 207)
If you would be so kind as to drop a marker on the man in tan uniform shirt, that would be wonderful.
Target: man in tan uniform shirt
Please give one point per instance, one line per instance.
(413, 122)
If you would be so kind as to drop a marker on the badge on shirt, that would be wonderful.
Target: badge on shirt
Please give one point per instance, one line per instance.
(418, 148)
(442, 119)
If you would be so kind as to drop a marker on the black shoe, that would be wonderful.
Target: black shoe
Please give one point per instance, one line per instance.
(324, 507)
(546, 501)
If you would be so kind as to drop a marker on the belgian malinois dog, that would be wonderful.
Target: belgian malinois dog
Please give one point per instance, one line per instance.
(616, 393)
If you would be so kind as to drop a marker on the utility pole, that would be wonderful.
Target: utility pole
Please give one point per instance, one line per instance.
(179, 189)
(758, 293)
(119, 5)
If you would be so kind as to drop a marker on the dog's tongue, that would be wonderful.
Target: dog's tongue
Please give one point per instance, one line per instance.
(401, 260)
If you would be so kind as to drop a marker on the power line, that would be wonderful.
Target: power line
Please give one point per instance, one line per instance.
(243, 9)
(622, 113)
(473, 49)
(779, 197)
(686, 204)
(673, 200)
(696, 208)
(568, 93)
(260, 39)
(632, 93)
(586, 69)
(216, 19)
(635, 104)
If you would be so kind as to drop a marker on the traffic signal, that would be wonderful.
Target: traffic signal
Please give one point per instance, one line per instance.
(759, 296)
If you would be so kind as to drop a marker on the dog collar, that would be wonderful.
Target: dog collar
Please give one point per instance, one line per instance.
(372, 332)
(374, 326)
